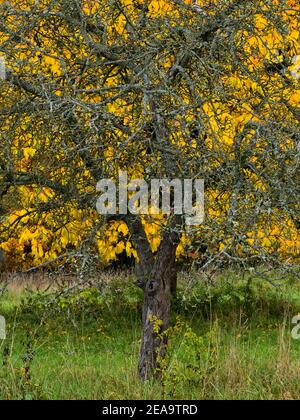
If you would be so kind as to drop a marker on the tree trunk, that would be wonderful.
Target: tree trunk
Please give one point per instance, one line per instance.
(145, 264)
(157, 305)
(174, 279)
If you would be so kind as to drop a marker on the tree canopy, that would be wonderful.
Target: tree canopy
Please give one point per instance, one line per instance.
(164, 89)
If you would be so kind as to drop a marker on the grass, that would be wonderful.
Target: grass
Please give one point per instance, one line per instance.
(230, 339)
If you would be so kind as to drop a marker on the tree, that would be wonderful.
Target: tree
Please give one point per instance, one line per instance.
(161, 89)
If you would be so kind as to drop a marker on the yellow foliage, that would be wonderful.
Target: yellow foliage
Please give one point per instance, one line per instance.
(37, 240)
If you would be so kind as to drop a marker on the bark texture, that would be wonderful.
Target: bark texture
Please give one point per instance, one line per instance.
(144, 266)
(157, 305)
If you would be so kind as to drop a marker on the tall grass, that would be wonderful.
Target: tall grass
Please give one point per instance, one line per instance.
(228, 340)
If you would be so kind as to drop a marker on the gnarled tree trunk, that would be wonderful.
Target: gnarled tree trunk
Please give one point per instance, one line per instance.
(158, 290)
